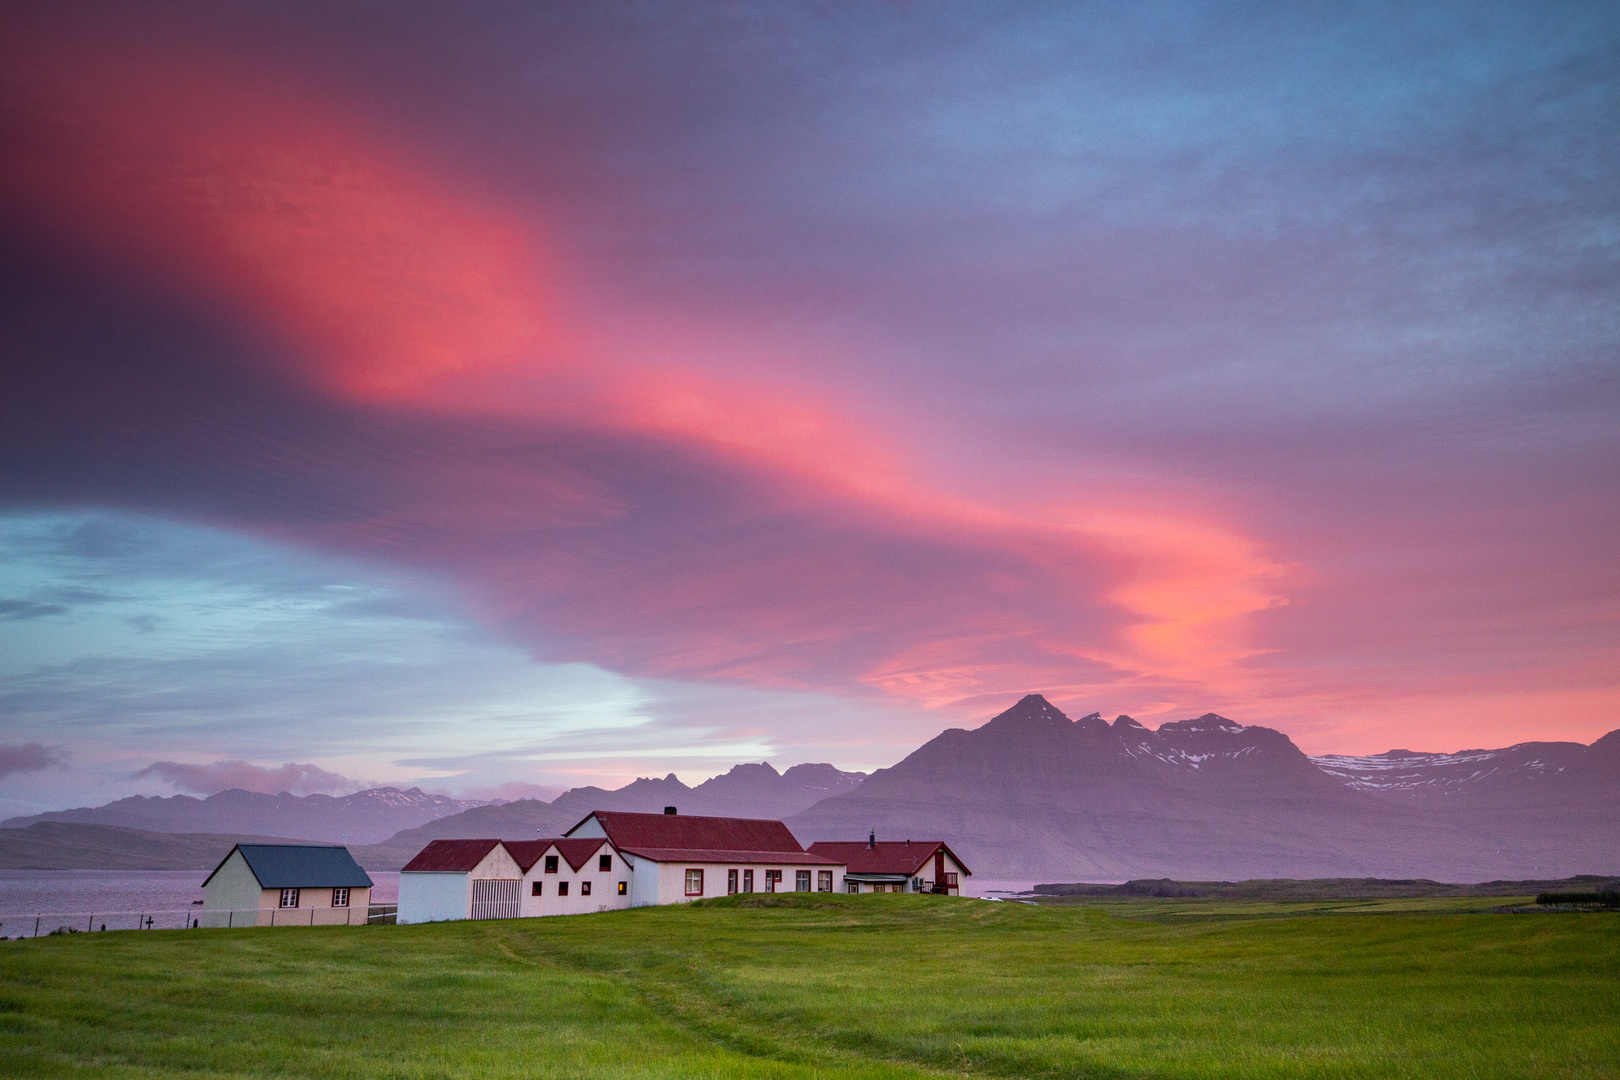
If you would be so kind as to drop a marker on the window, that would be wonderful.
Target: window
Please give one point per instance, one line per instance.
(551, 864)
(950, 881)
(748, 881)
(340, 897)
(731, 883)
(916, 884)
(624, 887)
(289, 897)
(694, 883)
(771, 878)
(562, 888)
(605, 863)
(584, 888)
(852, 886)
(801, 881)
(535, 889)
(823, 881)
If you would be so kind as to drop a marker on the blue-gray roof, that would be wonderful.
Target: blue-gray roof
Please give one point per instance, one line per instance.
(300, 866)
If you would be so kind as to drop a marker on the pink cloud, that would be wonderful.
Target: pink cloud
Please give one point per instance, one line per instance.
(299, 779)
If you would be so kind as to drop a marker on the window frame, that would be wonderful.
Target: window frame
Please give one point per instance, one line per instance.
(551, 864)
(604, 864)
(293, 894)
(562, 888)
(824, 881)
(731, 882)
(801, 881)
(772, 879)
(340, 896)
(535, 888)
(748, 881)
(690, 871)
(584, 888)
(624, 888)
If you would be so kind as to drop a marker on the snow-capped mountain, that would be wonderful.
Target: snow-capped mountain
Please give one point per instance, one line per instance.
(1033, 793)
(365, 817)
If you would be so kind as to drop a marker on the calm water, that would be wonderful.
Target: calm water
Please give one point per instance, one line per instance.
(29, 892)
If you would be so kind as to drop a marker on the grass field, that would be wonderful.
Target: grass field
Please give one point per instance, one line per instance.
(869, 986)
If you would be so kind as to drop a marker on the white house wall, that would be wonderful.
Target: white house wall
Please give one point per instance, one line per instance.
(604, 885)
(232, 888)
(434, 897)
(668, 884)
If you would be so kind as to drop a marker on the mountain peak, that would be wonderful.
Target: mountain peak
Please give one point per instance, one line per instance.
(1032, 713)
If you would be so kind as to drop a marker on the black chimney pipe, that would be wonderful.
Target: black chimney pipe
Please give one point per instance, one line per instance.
(670, 810)
(871, 839)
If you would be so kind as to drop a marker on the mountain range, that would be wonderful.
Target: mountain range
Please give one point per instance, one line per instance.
(365, 817)
(1034, 794)
(1032, 791)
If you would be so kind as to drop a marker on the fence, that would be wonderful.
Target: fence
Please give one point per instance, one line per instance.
(40, 924)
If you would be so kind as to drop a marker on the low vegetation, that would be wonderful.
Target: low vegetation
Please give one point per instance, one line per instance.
(802, 986)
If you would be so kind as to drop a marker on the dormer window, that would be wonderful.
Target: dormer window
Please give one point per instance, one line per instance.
(551, 864)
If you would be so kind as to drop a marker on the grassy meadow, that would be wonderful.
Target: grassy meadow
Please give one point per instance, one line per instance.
(867, 986)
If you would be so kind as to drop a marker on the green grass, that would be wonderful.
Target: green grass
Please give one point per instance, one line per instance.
(871, 986)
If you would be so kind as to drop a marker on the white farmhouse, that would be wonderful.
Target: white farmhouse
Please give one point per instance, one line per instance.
(918, 866)
(286, 885)
(610, 860)
(674, 859)
(571, 877)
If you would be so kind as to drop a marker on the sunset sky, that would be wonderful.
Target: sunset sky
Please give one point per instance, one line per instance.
(504, 398)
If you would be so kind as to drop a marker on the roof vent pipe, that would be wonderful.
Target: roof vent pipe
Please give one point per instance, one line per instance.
(871, 838)
(670, 810)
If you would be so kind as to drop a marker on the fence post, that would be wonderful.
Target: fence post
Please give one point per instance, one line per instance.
(312, 916)
(36, 924)
(230, 918)
(91, 925)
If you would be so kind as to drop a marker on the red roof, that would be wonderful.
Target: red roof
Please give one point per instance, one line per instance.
(888, 857)
(725, 855)
(677, 837)
(450, 856)
(577, 850)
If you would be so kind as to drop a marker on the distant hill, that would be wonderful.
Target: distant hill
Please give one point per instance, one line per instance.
(365, 817)
(1032, 791)
(753, 790)
(61, 845)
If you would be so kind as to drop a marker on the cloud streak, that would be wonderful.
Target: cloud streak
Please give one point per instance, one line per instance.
(29, 757)
(210, 779)
(1240, 368)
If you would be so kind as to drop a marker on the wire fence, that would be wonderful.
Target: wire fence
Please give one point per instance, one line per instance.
(45, 923)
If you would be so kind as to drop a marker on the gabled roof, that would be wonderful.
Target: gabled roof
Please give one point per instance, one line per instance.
(577, 851)
(450, 856)
(888, 857)
(725, 855)
(673, 835)
(299, 866)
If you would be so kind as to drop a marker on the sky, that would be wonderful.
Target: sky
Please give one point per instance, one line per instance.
(508, 398)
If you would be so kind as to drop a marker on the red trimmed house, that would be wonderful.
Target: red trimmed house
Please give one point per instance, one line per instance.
(610, 860)
(919, 866)
(674, 858)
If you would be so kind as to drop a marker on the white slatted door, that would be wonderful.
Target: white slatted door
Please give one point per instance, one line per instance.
(495, 898)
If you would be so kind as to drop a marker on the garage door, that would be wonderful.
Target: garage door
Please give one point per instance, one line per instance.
(495, 898)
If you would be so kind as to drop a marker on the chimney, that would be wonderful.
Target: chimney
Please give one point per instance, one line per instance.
(871, 838)
(670, 810)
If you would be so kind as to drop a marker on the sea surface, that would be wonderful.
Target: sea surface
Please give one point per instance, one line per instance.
(118, 896)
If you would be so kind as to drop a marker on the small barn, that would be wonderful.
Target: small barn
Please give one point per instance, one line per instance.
(286, 885)
(918, 866)
(460, 879)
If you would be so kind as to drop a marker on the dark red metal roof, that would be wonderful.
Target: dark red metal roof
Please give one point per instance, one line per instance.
(722, 855)
(577, 851)
(638, 833)
(888, 857)
(450, 856)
